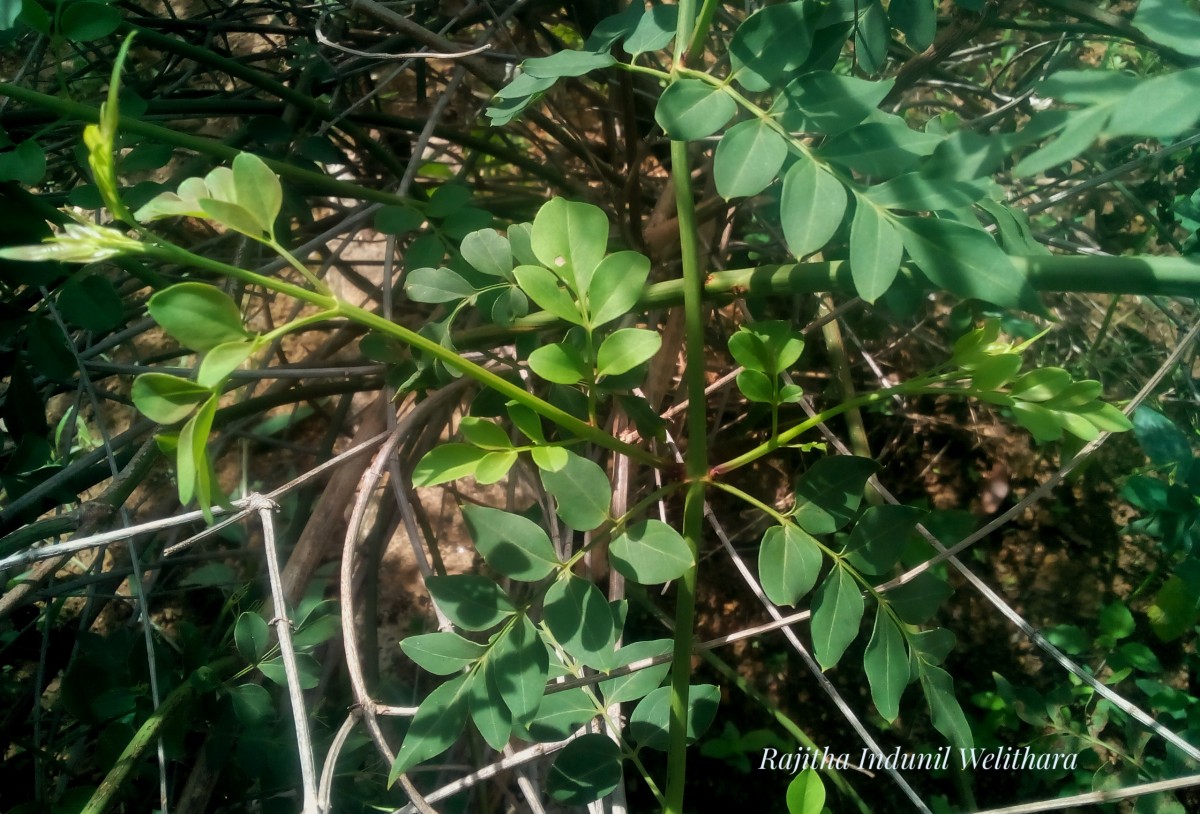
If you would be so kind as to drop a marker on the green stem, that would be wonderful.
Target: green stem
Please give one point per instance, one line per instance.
(700, 32)
(697, 469)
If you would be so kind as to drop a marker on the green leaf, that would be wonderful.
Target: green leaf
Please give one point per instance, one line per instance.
(1175, 611)
(10, 10)
(824, 102)
(875, 251)
(491, 716)
(918, 599)
(567, 63)
(252, 637)
(770, 44)
(916, 19)
(879, 148)
(649, 722)
(623, 350)
(636, 685)
(442, 653)
(880, 537)
(1116, 621)
(437, 725)
(521, 663)
(495, 466)
(1172, 23)
(560, 714)
(26, 164)
(488, 253)
(1161, 440)
(308, 668)
(580, 619)
(789, 563)
(193, 470)
(550, 458)
(258, 190)
(811, 207)
(691, 109)
(748, 158)
(770, 346)
(806, 793)
(484, 433)
(947, 715)
(219, 362)
(1161, 107)
(559, 363)
(871, 37)
(513, 545)
(398, 220)
(586, 770)
(758, 387)
(447, 462)
(197, 315)
(933, 645)
(829, 493)
(470, 601)
(581, 492)
(91, 302)
(837, 611)
(651, 552)
(616, 286)
(436, 285)
(1083, 128)
(919, 192)
(967, 262)
(886, 665)
(252, 705)
(570, 238)
(166, 399)
(86, 21)
(543, 287)
(653, 31)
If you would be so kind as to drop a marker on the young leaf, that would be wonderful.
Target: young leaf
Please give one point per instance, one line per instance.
(886, 665)
(513, 545)
(770, 44)
(623, 350)
(1042, 384)
(967, 262)
(197, 315)
(559, 363)
(947, 715)
(651, 552)
(442, 653)
(806, 793)
(258, 190)
(616, 286)
(875, 251)
(580, 619)
(222, 360)
(691, 109)
(811, 207)
(789, 562)
(521, 663)
(880, 537)
(447, 462)
(542, 286)
(470, 601)
(484, 433)
(837, 612)
(649, 722)
(166, 399)
(748, 158)
(495, 466)
(757, 387)
(435, 285)
(581, 492)
(588, 769)
(232, 215)
(488, 253)
(829, 493)
(570, 238)
(436, 726)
